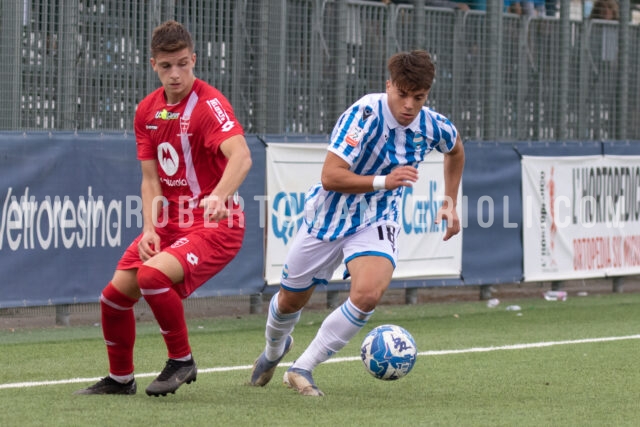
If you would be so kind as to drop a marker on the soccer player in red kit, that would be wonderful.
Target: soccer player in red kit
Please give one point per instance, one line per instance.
(194, 157)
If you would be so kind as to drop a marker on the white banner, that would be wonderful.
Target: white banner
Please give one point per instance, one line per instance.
(581, 217)
(293, 168)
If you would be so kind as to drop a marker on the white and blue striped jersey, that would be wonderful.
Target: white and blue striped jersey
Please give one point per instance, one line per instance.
(372, 142)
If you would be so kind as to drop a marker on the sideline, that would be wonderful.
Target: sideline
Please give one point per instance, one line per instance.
(346, 359)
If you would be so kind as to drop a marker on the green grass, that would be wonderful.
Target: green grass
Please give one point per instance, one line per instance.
(577, 384)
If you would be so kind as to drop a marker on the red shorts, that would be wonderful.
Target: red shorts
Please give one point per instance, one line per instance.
(202, 251)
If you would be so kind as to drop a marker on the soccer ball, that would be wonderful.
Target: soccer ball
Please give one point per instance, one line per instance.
(388, 352)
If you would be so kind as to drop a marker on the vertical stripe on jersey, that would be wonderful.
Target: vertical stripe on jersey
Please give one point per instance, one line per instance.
(378, 157)
(190, 170)
(436, 134)
(409, 146)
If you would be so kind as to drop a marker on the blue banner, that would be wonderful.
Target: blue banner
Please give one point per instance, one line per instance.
(69, 206)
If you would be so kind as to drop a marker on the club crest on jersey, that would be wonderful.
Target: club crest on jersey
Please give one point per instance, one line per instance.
(354, 136)
(184, 125)
(166, 115)
(418, 139)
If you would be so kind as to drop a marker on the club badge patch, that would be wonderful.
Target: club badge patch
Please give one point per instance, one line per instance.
(354, 136)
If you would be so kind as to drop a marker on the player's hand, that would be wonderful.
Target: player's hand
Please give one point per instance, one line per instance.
(215, 208)
(448, 213)
(403, 176)
(149, 245)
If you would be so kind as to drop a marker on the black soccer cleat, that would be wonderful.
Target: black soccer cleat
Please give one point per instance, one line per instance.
(108, 385)
(174, 374)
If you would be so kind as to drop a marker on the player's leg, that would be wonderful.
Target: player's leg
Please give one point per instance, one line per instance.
(156, 279)
(309, 262)
(370, 277)
(278, 329)
(173, 275)
(119, 331)
(370, 260)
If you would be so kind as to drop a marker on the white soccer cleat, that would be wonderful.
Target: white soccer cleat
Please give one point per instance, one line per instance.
(301, 381)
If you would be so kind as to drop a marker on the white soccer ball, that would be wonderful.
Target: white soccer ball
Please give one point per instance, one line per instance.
(388, 352)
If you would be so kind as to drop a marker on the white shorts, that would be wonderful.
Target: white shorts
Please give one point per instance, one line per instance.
(312, 261)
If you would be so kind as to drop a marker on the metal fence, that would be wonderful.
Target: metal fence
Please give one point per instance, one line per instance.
(292, 66)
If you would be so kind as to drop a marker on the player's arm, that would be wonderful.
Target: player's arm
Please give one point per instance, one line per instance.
(336, 176)
(237, 152)
(453, 167)
(151, 192)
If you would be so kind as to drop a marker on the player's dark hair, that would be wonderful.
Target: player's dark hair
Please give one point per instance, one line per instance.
(411, 71)
(169, 37)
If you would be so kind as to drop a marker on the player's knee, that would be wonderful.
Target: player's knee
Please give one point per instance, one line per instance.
(152, 278)
(119, 295)
(291, 302)
(366, 301)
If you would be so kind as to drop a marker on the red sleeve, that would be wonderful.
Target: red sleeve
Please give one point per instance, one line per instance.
(222, 121)
(145, 148)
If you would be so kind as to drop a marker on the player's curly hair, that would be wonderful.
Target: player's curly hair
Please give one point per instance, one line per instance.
(169, 37)
(411, 71)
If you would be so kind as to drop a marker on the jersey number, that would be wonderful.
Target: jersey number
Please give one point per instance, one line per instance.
(391, 235)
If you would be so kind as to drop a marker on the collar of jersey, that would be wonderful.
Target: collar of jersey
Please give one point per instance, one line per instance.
(391, 121)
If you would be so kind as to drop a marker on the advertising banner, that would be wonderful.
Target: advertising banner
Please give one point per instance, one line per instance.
(581, 217)
(293, 168)
(68, 208)
(70, 205)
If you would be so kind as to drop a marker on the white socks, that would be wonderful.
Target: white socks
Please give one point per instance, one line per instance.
(279, 327)
(334, 333)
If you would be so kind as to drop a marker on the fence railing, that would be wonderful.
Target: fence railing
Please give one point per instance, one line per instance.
(292, 66)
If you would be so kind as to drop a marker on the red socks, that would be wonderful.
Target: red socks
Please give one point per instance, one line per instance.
(167, 308)
(119, 323)
(118, 329)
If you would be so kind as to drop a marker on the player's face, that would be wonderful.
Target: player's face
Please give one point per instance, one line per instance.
(404, 105)
(175, 71)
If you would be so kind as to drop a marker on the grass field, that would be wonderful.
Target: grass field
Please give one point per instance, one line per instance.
(549, 364)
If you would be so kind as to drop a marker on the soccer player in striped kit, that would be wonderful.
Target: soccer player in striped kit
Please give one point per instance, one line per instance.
(194, 157)
(352, 214)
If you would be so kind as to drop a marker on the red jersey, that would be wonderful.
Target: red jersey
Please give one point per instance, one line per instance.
(185, 140)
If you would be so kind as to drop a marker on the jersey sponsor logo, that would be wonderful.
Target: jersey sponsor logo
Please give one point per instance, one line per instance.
(354, 136)
(152, 127)
(218, 111)
(168, 158)
(180, 242)
(174, 182)
(166, 115)
(221, 114)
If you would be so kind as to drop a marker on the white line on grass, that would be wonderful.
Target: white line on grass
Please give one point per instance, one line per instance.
(347, 359)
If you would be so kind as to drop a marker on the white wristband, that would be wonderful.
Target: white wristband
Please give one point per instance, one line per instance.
(379, 182)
